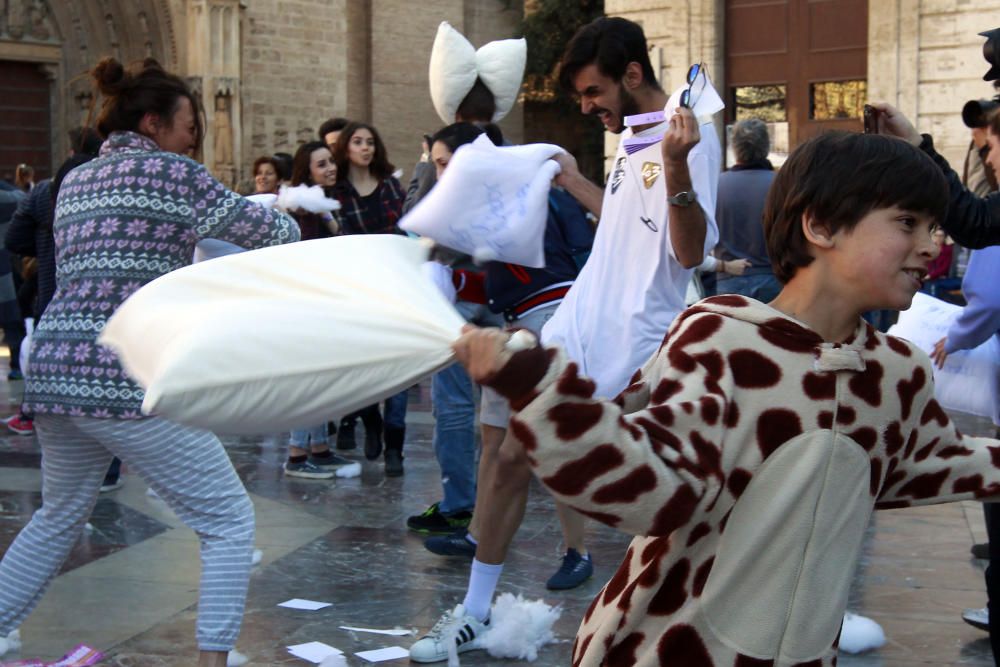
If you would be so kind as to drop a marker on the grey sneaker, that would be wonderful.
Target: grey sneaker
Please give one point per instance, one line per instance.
(977, 618)
(454, 626)
(308, 470)
(331, 462)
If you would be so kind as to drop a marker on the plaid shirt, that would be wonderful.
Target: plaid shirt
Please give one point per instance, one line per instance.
(357, 219)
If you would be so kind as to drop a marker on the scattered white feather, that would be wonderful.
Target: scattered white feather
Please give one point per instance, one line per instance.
(398, 174)
(257, 556)
(483, 255)
(152, 494)
(334, 661)
(11, 642)
(519, 627)
(89, 527)
(236, 659)
(308, 197)
(859, 633)
(353, 470)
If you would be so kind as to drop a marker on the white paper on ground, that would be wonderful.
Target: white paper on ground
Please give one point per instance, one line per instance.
(308, 605)
(397, 632)
(970, 379)
(283, 337)
(314, 652)
(492, 202)
(379, 655)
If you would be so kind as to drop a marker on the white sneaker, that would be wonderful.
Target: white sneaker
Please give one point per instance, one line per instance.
(455, 627)
(10, 643)
(977, 618)
(236, 659)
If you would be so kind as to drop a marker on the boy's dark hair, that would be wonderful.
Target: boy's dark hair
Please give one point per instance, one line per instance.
(478, 106)
(839, 178)
(332, 125)
(380, 167)
(284, 161)
(143, 88)
(611, 43)
(301, 174)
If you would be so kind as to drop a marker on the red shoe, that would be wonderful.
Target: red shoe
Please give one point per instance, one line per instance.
(20, 424)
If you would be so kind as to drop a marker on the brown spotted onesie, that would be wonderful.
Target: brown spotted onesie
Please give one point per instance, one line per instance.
(746, 456)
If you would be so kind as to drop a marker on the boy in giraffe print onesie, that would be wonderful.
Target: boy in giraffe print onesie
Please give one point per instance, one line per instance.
(746, 456)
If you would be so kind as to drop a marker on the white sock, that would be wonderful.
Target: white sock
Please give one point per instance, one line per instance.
(482, 584)
(473, 541)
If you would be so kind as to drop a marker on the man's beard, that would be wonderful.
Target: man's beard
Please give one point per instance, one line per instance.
(627, 106)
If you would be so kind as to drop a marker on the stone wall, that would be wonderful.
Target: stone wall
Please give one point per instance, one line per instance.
(307, 60)
(925, 57)
(295, 64)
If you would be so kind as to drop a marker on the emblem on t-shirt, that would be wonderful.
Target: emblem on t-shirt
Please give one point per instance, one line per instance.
(618, 175)
(650, 172)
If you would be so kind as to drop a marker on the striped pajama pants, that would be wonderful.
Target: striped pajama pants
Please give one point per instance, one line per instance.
(188, 468)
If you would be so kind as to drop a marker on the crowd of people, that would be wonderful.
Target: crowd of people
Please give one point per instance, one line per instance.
(744, 441)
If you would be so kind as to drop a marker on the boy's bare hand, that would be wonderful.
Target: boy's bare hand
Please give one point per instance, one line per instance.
(483, 352)
(891, 121)
(682, 135)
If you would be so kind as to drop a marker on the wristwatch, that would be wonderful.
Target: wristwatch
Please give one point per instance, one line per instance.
(682, 199)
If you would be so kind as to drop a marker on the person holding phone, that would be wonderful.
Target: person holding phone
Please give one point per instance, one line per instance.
(972, 221)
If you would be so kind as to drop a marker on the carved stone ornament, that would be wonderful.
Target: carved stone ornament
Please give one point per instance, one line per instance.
(29, 20)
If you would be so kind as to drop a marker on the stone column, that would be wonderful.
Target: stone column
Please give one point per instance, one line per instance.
(214, 59)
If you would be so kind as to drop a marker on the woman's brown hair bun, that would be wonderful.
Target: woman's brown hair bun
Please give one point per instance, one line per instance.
(109, 76)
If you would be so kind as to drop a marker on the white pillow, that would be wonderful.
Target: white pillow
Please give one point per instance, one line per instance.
(970, 379)
(455, 64)
(282, 337)
(491, 202)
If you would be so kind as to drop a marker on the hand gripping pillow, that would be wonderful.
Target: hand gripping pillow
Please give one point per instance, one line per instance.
(283, 337)
(491, 202)
(455, 64)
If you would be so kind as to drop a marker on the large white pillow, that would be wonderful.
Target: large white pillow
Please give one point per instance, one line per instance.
(491, 202)
(287, 336)
(455, 64)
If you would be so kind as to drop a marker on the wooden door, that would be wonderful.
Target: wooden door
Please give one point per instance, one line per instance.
(803, 62)
(25, 122)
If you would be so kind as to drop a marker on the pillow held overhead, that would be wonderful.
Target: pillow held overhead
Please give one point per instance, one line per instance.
(455, 64)
(491, 202)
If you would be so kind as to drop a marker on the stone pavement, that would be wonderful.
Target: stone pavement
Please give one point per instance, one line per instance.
(130, 586)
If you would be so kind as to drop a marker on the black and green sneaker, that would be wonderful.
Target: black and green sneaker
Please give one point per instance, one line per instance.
(433, 522)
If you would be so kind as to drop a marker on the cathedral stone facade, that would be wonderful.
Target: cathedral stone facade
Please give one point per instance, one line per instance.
(268, 72)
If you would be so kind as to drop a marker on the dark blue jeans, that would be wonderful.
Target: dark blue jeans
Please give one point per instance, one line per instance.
(761, 286)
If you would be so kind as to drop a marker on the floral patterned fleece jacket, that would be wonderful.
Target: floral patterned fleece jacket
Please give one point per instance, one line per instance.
(747, 457)
(123, 219)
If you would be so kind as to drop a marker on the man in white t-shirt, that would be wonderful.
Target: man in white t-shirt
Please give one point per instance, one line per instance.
(657, 220)
(657, 223)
